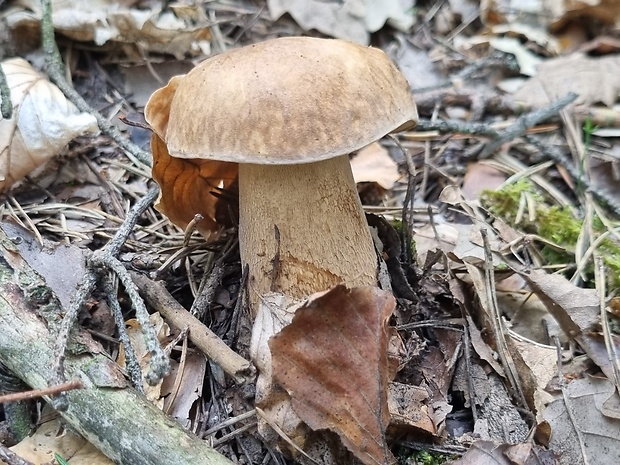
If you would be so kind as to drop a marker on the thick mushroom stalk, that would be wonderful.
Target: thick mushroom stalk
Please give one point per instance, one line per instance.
(322, 239)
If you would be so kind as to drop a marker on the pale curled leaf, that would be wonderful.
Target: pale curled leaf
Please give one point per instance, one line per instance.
(491, 453)
(374, 164)
(350, 19)
(581, 434)
(333, 362)
(43, 122)
(52, 437)
(179, 30)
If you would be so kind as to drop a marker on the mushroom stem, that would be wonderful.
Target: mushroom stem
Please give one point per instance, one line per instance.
(323, 239)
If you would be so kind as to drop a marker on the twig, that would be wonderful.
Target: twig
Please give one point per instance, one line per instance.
(35, 393)
(11, 458)
(6, 107)
(449, 126)
(201, 336)
(558, 157)
(56, 72)
(497, 322)
(526, 121)
(209, 286)
(105, 260)
(609, 343)
(132, 366)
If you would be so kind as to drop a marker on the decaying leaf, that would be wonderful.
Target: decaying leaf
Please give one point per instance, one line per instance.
(575, 309)
(134, 331)
(275, 311)
(45, 259)
(333, 362)
(492, 453)
(374, 164)
(54, 437)
(188, 186)
(350, 19)
(43, 122)
(580, 433)
(179, 30)
(594, 79)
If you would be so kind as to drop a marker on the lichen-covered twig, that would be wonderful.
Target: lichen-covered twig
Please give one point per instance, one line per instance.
(56, 72)
(525, 122)
(6, 107)
(102, 262)
(552, 152)
(449, 126)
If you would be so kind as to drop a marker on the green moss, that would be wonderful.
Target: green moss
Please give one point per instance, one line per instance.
(555, 224)
(427, 458)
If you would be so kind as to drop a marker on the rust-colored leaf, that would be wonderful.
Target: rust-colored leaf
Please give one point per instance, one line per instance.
(187, 186)
(333, 361)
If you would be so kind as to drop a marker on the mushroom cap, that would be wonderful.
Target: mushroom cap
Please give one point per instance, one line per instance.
(283, 101)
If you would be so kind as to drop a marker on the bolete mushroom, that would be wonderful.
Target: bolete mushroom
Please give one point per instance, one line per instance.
(289, 111)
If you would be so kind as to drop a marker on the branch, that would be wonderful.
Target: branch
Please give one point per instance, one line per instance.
(117, 419)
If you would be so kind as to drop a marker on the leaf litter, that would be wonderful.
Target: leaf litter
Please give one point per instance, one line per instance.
(475, 369)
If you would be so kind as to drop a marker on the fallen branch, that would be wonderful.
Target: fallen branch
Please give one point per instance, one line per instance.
(525, 122)
(201, 336)
(105, 260)
(117, 419)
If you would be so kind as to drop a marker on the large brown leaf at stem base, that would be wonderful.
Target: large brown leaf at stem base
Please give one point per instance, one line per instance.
(333, 362)
(187, 186)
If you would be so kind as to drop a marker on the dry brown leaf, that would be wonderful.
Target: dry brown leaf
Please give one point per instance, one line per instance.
(333, 362)
(581, 434)
(374, 164)
(348, 19)
(178, 30)
(594, 79)
(577, 312)
(575, 309)
(187, 187)
(134, 331)
(491, 453)
(54, 437)
(43, 122)
(536, 365)
(184, 393)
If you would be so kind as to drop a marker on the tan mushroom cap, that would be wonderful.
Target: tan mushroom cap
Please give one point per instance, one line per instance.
(283, 101)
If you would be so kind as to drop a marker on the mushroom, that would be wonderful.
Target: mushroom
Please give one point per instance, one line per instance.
(289, 111)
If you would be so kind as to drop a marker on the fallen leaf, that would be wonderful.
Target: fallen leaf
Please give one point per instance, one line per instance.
(42, 124)
(409, 411)
(275, 311)
(189, 387)
(480, 176)
(188, 186)
(536, 365)
(594, 79)
(54, 437)
(333, 362)
(575, 309)
(492, 453)
(108, 21)
(45, 259)
(581, 434)
(374, 164)
(349, 19)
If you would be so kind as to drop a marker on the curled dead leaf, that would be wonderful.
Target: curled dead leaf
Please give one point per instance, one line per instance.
(187, 187)
(334, 363)
(43, 122)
